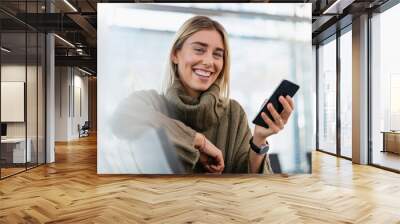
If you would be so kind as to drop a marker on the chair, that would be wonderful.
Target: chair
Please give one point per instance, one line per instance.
(84, 130)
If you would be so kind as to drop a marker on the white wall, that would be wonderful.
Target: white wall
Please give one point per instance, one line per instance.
(79, 112)
(61, 103)
(14, 73)
(70, 83)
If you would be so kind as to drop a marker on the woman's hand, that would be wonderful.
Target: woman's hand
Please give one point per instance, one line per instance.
(276, 125)
(210, 156)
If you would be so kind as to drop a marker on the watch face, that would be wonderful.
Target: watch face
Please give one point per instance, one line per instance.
(264, 149)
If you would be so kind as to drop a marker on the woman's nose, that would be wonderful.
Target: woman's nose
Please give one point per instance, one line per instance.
(208, 60)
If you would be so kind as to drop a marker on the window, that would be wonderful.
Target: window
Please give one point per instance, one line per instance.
(385, 88)
(345, 94)
(327, 96)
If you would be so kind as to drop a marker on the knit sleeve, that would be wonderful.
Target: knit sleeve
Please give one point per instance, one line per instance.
(243, 136)
(147, 109)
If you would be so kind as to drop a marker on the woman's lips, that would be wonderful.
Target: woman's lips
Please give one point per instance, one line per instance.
(202, 73)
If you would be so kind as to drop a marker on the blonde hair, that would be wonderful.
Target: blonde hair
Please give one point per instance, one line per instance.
(191, 26)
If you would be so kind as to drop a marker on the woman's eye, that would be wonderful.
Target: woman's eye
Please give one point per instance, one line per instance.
(218, 55)
(199, 50)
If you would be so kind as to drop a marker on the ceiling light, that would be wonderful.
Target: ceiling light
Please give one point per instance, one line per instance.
(65, 41)
(337, 7)
(5, 50)
(84, 71)
(70, 5)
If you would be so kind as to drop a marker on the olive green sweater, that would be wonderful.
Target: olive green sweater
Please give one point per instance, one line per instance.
(225, 125)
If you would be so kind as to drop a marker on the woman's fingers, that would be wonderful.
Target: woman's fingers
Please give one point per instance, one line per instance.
(291, 101)
(277, 118)
(210, 168)
(216, 154)
(213, 168)
(287, 108)
(204, 161)
(270, 123)
(212, 158)
(219, 162)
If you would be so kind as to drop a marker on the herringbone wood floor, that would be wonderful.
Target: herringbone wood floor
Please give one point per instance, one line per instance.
(70, 191)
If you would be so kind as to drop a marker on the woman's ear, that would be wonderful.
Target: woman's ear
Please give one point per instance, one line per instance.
(174, 58)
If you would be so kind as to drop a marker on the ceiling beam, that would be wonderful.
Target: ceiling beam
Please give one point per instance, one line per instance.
(86, 27)
(84, 61)
(337, 6)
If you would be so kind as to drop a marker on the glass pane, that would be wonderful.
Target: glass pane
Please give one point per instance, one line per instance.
(386, 89)
(32, 91)
(327, 96)
(13, 87)
(31, 100)
(314, 97)
(346, 94)
(41, 98)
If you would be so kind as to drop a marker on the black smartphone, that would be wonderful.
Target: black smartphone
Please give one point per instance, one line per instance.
(285, 88)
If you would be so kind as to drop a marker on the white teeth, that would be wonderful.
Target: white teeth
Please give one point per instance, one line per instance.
(202, 73)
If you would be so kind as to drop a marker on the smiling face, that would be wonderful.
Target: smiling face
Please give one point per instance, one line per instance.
(200, 61)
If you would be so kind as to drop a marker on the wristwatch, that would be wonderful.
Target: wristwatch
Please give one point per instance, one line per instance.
(259, 150)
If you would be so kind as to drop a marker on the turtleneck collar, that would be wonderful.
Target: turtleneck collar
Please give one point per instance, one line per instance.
(198, 113)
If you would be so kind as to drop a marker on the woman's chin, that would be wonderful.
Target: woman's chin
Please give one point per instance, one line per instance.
(202, 87)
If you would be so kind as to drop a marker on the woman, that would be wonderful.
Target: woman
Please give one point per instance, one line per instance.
(209, 130)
